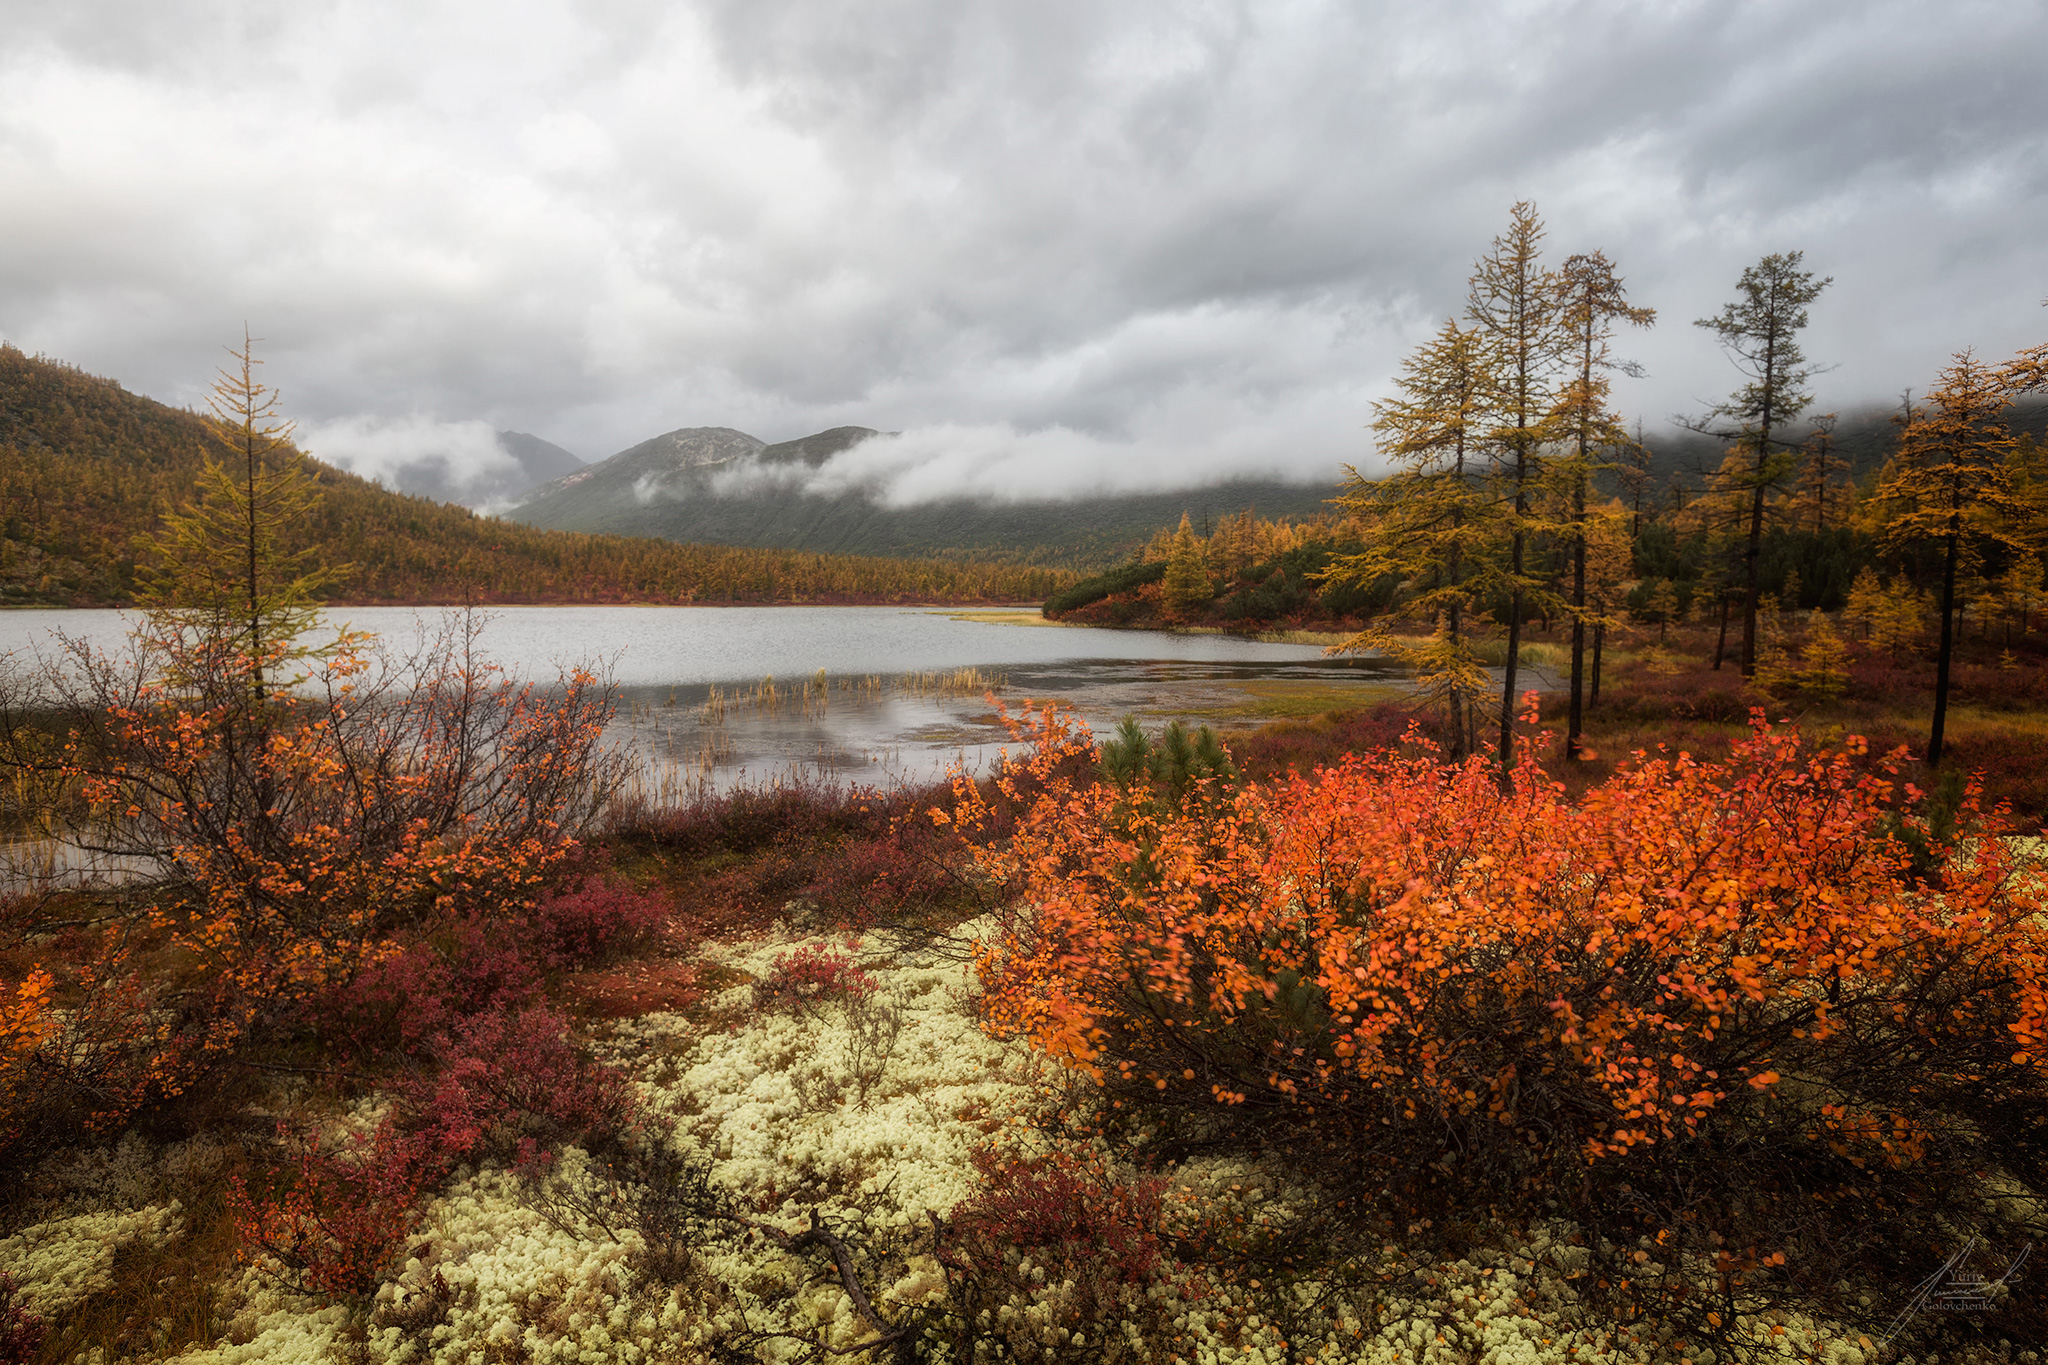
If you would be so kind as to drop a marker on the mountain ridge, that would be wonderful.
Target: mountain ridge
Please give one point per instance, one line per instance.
(86, 469)
(721, 486)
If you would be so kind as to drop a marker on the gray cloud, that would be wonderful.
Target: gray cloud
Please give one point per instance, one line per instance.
(1066, 244)
(462, 453)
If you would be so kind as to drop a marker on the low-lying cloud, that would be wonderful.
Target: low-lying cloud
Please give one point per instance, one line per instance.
(996, 462)
(462, 455)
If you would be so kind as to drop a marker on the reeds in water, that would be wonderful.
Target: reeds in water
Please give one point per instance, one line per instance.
(958, 682)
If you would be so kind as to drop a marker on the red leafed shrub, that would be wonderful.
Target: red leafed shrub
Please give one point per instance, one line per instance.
(1062, 1208)
(595, 920)
(481, 964)
(509, 1085)
(861, 856)
(1708, 1003)
(1061, 1222)
(907, 873)
(1303, 746)
(812, 976)
(21, 1332)
(333, 1219)
(427, 986)
(505, 1079)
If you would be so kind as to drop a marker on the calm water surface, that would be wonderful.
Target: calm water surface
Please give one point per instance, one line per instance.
(882, 715)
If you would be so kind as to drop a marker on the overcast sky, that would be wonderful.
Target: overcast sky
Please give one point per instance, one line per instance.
(1062, 244)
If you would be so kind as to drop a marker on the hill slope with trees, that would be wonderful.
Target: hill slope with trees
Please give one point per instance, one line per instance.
(86, 467)
(714, 485)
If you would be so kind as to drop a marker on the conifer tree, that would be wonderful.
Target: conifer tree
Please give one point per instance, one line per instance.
(1900, 609)
(1513, 309)
(1662, 606)
(1821, 484)
(1866, 600)
(1609, 561)
(1591, 300)
(1426, 522)
(233, 575)
(1186, 585)
(1759, 330)
(1953, 490)
(2022, 590)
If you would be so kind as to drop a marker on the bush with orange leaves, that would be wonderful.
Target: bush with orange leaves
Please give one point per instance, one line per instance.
(83, 1067)
(290, 833)
(279, 836)
(1708, 1005)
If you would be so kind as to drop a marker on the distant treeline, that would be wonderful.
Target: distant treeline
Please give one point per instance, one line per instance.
(85, 467)
(1682, 558)
(1249, 573)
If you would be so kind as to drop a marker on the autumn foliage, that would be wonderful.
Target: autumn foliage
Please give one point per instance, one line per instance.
(1708, 1003)
(294, 837)
(330, 1215)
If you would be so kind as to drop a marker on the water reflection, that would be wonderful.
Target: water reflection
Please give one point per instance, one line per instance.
(896, 700)
(884, 728)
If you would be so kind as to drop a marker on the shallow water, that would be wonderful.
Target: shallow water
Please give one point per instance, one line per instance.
(893, 705)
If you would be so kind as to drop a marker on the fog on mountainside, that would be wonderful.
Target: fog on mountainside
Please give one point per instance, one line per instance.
(715, 485)
(1863, 437)
(466, 463)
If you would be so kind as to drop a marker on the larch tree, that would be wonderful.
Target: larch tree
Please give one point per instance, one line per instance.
(1590, 301)
(1822, 482)
(1610, 560)
(1427, 522)
(1186, 585)
(1951, 488)
(233, 574)
(1633, 471)
(1513, 309)
(2025, 376)
(1759, 331)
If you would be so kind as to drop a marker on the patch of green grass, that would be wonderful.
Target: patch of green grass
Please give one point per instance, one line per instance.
(1299, 700)
(1008, 616)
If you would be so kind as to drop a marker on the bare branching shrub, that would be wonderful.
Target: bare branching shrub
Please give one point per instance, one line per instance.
(288, 833)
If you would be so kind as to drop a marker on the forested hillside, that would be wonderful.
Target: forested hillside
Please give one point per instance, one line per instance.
(86, 466)
(720, 486)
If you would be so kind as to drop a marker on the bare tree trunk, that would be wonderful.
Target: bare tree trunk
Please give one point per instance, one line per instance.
(1947, 651)
(1599, 636)
(1752, 553)
(1507, 691)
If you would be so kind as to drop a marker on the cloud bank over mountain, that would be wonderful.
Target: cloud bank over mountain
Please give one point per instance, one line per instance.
(1067, 243)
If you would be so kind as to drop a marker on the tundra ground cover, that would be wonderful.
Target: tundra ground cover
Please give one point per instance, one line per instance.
(901, 1121)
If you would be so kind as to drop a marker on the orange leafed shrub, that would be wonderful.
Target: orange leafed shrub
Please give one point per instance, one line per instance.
(85, 1067)
(294, 833)
(1705, 994)
(26, 1022)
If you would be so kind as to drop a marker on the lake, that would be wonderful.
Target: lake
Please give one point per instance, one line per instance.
(711, 696)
